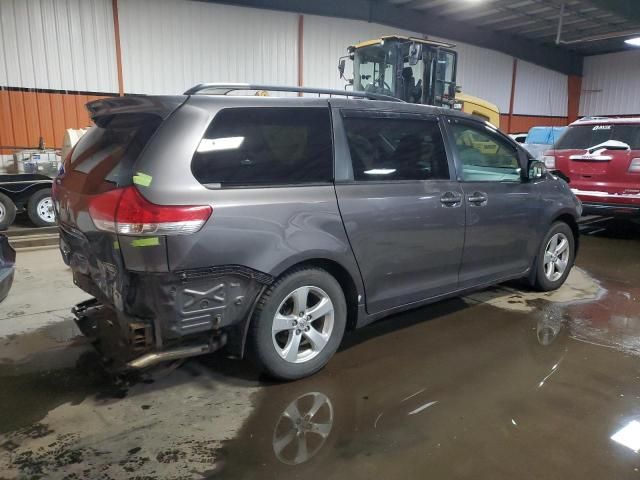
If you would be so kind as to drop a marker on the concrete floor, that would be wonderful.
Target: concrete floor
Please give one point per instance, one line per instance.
(500, 384)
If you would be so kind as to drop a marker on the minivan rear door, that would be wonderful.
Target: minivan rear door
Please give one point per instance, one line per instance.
(103, 161)
(402, 212)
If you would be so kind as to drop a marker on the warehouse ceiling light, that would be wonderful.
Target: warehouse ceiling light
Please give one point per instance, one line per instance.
(633, 41)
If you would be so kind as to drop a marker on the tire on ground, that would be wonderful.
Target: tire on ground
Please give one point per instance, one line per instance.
(32, 208)
(260, 343)
(541, 282)
(7, 212)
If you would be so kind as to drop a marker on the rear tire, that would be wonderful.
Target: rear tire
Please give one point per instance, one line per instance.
(7, 212)
(40, 208)
(298, 324)
(555, 258)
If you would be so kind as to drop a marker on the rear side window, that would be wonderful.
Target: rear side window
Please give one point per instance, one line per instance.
(103, 158)
(265, 146)
(587, 136)
(395, 148)
(629, 134)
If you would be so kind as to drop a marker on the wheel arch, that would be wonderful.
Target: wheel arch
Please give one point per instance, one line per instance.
(344, 278)
(238, 335)
(565, 217)
(570, 220)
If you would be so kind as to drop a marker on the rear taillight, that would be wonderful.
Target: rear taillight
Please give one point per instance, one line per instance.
(634, 167)
(126, 212)
(549, 162)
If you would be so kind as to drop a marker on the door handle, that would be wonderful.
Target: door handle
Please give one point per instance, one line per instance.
(477, 199)
(451, 199)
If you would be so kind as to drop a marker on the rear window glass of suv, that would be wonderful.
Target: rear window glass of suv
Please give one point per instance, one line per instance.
(265, 146)
(396, 148)
(103, 158)
(586, 136)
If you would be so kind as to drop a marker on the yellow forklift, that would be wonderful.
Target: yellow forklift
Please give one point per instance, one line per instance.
(414, 70)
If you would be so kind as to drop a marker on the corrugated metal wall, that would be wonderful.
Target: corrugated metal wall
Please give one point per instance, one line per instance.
(27, 116)
(58, 44)
(610, 84)
(486, 74)
(540, 91)
(481, 72)
(171, 45)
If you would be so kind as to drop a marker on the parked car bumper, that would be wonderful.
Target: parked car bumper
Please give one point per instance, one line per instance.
(610, 209)
(610, 204)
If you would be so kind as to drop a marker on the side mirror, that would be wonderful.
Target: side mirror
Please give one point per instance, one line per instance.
(341, 65)
(536, 170)
(415, 52)
(458, 88)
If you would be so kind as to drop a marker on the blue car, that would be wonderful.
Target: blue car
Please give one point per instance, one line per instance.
(540, 139)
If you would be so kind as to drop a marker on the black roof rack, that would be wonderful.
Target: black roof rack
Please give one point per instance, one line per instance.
(225, 88)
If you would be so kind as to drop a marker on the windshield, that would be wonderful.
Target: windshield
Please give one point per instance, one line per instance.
(373, 69)
(586, 136)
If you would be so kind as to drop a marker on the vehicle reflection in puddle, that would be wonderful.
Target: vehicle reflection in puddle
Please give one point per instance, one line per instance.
(302, 428)
(516, 385)
(474, 392)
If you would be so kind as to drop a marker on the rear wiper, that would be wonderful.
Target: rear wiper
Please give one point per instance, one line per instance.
(609, 145)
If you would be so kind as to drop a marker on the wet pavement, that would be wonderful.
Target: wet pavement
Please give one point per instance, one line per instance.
(504, 383)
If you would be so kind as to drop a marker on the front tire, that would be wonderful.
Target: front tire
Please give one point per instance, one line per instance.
(40, 208)
(555, 258)
(298, 324)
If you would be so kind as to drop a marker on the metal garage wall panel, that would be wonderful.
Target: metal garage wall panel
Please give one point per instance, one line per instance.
(485, 73)
(481, 72)
(171, 45)
(27, 116)
(326, 39)
(610, 84)
(58, 44)
(540, 91)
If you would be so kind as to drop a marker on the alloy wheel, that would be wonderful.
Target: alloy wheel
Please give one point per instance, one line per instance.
(556, 256)
(303, 324)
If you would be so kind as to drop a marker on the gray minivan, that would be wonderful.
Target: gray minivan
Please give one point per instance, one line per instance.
(270, 225)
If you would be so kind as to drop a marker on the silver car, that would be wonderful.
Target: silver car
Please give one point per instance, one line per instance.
(271, 225)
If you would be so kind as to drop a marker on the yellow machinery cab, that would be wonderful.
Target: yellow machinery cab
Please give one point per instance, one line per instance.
(415, 70)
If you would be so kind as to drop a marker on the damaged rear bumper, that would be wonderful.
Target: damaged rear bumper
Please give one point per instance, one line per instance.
(156, 317)
(97, 323)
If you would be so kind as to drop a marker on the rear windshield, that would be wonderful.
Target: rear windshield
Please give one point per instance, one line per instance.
(103, 158)
(265, 146)
(586, 136)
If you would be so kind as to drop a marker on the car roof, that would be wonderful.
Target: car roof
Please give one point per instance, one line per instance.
(606, 120)
(224, 101)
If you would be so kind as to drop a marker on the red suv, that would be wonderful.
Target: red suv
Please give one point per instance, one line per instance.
(600, 157)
